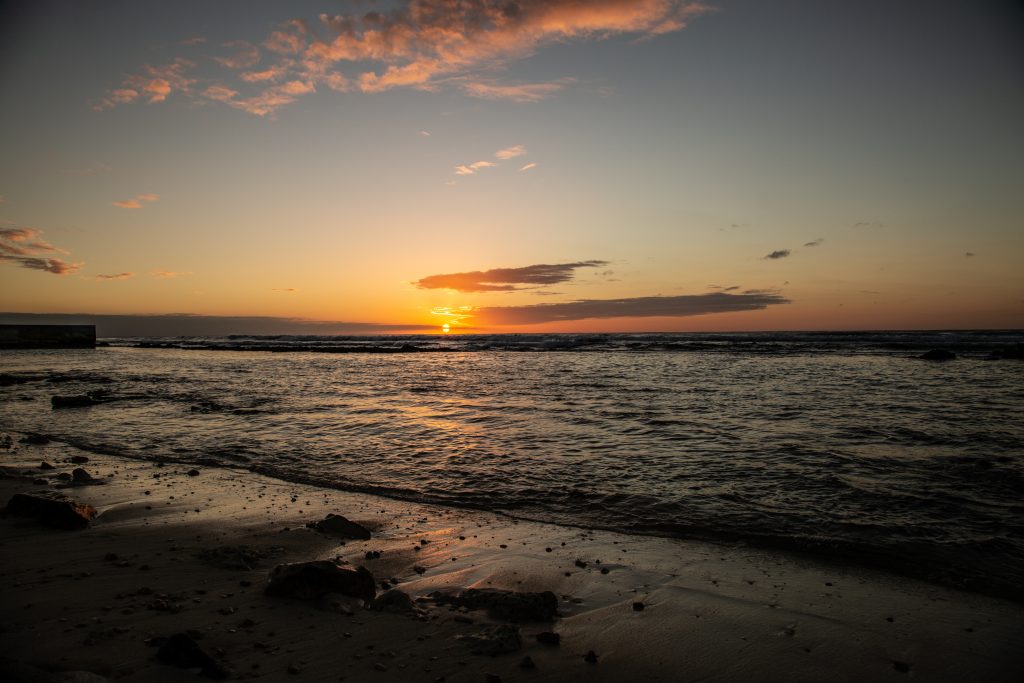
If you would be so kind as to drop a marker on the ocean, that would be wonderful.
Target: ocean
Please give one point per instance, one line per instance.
(841, 445)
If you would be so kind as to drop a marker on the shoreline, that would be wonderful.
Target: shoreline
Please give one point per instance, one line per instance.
(829, 552)
(709, 610)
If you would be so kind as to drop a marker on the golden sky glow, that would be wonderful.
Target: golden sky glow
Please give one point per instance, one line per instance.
(551, 166)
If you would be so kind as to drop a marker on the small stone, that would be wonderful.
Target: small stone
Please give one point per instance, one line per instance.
(46, 466)
(902, 667)
(548, 638)
(527, 663)
(590, 657)
(79, 459)
(193, 473)
(638, 606)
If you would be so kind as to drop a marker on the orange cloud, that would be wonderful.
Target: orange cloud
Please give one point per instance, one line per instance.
(168, 274)
(247, 56)
(116, 276)
(510, 152)
(527, 167)
(473, 167)
(156, 84)
(136, 202)
(26, 247)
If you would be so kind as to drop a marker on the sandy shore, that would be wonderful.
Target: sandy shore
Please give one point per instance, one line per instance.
(153, 563)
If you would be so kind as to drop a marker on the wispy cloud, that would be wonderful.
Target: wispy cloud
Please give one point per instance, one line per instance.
(420, 44)
(168, 274)
(646, 307)
(506, 279)
(287, 290)
(137, 201)
(868, 224)
(969, 254)
(527, 167)
(246, 55)
(154, 84)
(26, 247)
(197, 40)
(511, 152)
(815, 243)
(473, 167)
(777, 254)
(520, 92)
(425, 134)
(115, 276)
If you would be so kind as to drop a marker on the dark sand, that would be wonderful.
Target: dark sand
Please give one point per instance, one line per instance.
(711, 612)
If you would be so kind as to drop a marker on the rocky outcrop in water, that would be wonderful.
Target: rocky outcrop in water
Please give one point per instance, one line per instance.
(313, 580)
(74, 401)
(51, 509)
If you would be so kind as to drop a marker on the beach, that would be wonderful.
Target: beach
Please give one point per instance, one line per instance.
(171, 552)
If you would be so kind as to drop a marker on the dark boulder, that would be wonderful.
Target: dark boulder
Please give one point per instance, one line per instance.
(396, 602)
(337, 525)
(51, 509)
(35, 439)
(506, 605)
(46, 466)
(938, 354)
(312, 580)
(80, 476)
(79, 459)
(181, 651)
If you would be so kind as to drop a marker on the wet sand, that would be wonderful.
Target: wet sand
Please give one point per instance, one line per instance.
(153, 563)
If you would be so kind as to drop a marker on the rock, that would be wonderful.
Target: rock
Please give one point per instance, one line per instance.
(395, 601)
(548, 638)
(902, 667)
(40, 482)
(494, 640)
(46, 466)
(312, 580)
(35, 439)
(506, 605)
(337, 525)
(79, 459)
(527, 663)
(77, 401)
(80, 476)
(239, 557)
(938, 354)
(193, 473)
(590, 657)
(51, 509)
(638, 606)
(1008, 353)
(181, 651)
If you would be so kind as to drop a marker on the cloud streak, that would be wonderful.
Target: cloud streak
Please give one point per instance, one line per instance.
(137, 201)
(686, 305)
(26, 247)
(506, 279)
(777, 254)
(115, 276)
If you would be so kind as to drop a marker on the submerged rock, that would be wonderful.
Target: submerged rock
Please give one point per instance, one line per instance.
(76, 401)
(80, 476)
(51, 509)
(312, 580)
(506, 605)
(337, 525)
(494, 640)
(938, 354)
(181, 651)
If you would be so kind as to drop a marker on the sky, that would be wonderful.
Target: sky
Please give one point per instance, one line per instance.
(514, 165)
